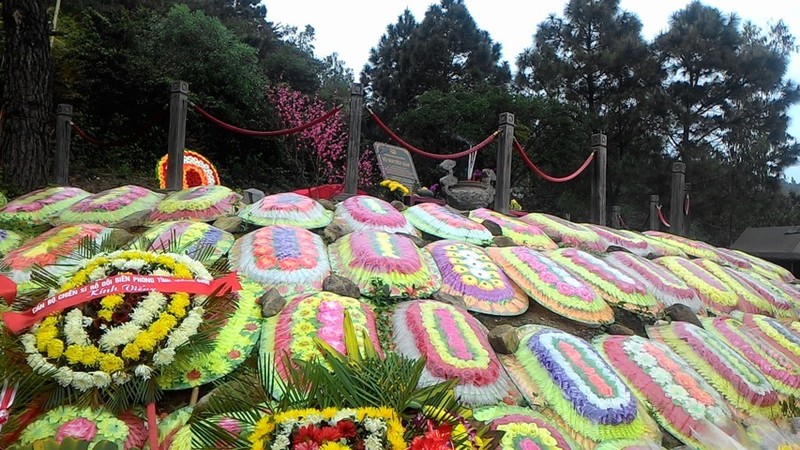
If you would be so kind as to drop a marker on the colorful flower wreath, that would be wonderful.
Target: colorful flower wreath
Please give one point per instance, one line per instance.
(330, 429)
(197, 170)
(130, 332)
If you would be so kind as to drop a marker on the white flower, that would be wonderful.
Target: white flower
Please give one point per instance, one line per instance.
(100, 379)
(144, 372)
(373, 442)
(97, 274)
(37, 362)
(164, 357)
(148, 309)
(73, 328)
(82, 381)
(118, 336)
(133, 264)
(161, 273)
(120, 377)
(87, 322)
(374, 425)
(64, 376)
(28, 342)
(280, 443)
(343, 414)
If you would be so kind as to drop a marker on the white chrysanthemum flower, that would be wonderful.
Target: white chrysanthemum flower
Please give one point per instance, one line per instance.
(64, 376)
(119, 336)
(133, 264)
(161, 273)
(82, 381)
(280, 443)
(74, 328)
(373, 442)
(37, 362)
(100, 379)
(374, 425)
(28, 343)
(164, 356)
(148, 309)
(97, 274)
(343, 414)
(144, 372)
(120, 377)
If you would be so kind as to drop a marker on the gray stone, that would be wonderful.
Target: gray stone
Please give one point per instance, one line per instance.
(231, 224)
(795, 425)
(119, 237)
(503, 241)
(504, 339)
(398, 205)
(332, 232)
(252, 195)
(454, 300)
(272, 303)
(418, 241)
(327, 204)
(682, 313)
(341, 286)
(620, 330)
(493, 227)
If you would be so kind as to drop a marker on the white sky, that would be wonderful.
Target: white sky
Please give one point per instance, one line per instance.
(352, 27)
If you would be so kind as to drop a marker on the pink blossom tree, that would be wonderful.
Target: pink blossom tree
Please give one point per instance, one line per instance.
(323, 145)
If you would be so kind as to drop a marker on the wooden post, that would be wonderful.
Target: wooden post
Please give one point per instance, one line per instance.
(676, 198)
(178, 104)
(354, 139)
(63, 140)
(653, 217)
(502, 196)
(686, 195)
(598, 210)
(568, 216)
(616, 213)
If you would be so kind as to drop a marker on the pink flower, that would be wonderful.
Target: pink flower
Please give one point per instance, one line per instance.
(80, 428)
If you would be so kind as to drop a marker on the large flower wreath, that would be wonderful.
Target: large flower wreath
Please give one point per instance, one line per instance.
(122, 317)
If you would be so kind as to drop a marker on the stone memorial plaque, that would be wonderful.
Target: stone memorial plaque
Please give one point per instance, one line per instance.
(396, 164)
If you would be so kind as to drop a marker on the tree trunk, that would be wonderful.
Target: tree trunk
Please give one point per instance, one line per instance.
(27, 95)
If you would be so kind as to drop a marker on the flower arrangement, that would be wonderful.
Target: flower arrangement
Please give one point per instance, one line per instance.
(362, 212)
(112, 206)
(629, 241)
(115, 336)
(330, 429)
(552, 286)
(786, 340)
(287, 209)
(616, 287)
(765, 268)
(468, 272)
(572, 378)
(566, 232)
(441, 222)
(126, 431)
(782, 373)
(199, 240)
(395, 188)
(675, 394)
(693, 248)
(39, 206)
(197, 170)
(717, 297)
(520, 232)
(203, 203)
(738, 380)
(749, 300)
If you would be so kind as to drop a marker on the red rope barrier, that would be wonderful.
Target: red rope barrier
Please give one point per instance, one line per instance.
(119, 142)
(410, 147)
(246, 132)
(662, 218)
(547, 177)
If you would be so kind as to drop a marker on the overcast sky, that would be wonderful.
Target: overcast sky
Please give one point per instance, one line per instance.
(352, 27)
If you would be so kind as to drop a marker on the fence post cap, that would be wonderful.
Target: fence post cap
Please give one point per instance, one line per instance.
(356, 89)
(506, 118)
(599, 139)
(180, 86)
(654, 198)
(64, 108)
(678, 167)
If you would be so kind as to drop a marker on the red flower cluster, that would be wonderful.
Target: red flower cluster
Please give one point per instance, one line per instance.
(311, 437)
(434, 439)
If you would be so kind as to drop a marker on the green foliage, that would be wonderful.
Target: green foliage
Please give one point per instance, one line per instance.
(66, 444)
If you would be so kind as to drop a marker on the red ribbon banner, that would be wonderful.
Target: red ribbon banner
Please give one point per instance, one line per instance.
(8, 289)
(118, 284)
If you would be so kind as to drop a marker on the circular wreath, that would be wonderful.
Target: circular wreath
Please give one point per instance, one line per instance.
(115, 338)
(197, 170)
